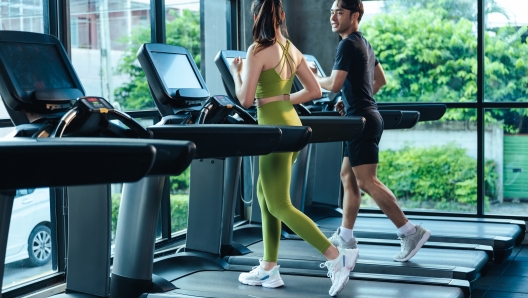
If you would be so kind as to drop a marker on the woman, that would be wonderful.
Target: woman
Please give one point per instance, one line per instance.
(271, 64)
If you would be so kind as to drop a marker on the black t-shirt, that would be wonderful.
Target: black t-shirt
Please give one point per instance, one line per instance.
(355, 56)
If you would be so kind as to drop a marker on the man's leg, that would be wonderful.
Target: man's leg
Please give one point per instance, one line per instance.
(351, 195)
(366, 176)
(412, 237)
(344, 236)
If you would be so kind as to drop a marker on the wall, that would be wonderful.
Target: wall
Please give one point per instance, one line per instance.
(308, 24)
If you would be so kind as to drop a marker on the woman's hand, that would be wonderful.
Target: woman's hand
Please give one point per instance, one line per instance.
(236, 66)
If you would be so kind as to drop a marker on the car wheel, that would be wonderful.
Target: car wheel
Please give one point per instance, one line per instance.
(39, 246)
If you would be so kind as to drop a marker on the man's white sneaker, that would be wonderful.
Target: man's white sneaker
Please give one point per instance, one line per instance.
(411, 244)
(261, 277)
(339, 269)
(338, 241)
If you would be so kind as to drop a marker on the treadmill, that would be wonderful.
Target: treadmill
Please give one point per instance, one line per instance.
(375, 258)
(501, 235)
(57, 107)
(199, 271)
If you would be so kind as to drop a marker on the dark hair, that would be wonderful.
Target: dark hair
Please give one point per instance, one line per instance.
(268, 14)
(353, 6)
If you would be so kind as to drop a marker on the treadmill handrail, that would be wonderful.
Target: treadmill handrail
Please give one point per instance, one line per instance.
(246, 140)
(333, 129)
(428, 111)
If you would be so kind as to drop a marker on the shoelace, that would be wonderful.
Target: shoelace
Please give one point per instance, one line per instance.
(330, 267)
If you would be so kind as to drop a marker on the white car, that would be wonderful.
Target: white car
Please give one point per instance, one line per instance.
(29, 232)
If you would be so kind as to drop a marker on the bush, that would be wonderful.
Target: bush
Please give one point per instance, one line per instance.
(181, 183)
(440, 177)
(179, 211)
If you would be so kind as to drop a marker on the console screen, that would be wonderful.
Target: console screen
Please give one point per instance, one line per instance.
(36, 66)
(175, 70)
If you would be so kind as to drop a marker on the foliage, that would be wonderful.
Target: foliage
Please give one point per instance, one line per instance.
(116, 200)
(179, 212)
(183, 30)
(181, 183)
(440, 175)
(429, 54)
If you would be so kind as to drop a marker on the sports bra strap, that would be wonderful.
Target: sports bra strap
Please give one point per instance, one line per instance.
(288, 59)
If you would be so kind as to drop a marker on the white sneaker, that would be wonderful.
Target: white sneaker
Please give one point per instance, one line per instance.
(411, 244)
(261, 277)
(339, 269)
(338, 241)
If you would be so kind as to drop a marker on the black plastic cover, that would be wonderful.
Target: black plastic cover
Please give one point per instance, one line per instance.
(333, 129)
(428, 111)
(294, 138)
(222, 140)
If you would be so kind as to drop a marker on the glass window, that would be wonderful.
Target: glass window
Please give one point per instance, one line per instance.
(22, 15)
(182, 21)
(506, 61)
(428, 49)
(106, 35)
(29, 253)
(506, 176)
(432, 166)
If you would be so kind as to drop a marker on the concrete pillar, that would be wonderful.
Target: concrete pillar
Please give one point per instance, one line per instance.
(214, 39)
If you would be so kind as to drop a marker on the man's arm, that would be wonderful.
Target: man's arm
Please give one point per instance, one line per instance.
(334, 82)
(379, 79)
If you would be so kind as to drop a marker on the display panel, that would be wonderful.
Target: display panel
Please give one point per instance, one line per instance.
(38, 66)
(175, 70)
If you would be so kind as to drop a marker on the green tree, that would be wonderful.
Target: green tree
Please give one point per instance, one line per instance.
(182, 30)
(430, 56)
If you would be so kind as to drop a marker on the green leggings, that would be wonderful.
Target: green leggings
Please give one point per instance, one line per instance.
(273, 189)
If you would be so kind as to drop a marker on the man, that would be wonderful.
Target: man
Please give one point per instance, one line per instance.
(359, 76)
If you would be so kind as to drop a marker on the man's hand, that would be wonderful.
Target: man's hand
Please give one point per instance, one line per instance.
(340, 107)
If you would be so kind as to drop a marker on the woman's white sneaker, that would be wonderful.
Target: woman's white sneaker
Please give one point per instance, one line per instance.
(261, 277)
(339, 269)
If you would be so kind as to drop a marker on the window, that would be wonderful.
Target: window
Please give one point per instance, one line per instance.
(506, 51)
(182, 19)
(506, 173)
(29, 253)
(432, 166)
(428, 49)
(106, 35)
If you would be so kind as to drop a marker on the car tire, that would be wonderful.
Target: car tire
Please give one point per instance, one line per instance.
(39, 246)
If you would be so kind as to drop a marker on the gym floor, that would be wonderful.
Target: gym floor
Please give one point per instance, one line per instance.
(506, 280)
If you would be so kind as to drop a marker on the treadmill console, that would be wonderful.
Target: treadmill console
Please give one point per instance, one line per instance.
(36, 75)
(174, 78)
(96, 104)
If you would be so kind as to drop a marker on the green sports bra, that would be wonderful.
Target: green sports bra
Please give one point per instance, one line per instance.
(270, 82)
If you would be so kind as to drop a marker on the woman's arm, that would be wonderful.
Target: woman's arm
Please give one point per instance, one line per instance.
(379, 79)
(311, 90)
(246, 77)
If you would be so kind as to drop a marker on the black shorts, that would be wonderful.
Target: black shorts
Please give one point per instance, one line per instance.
(364, 149)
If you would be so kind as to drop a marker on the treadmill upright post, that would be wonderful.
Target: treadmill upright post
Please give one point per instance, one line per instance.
(135, 237)
(89, 239)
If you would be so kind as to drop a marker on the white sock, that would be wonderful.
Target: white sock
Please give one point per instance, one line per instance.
(407, 229)
(346, 234)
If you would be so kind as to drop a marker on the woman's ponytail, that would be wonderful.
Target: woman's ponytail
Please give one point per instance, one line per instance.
(268, 17)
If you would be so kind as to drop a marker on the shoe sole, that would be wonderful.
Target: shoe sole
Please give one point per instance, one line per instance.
(276, 284)
(343, 284)
(417, 248)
